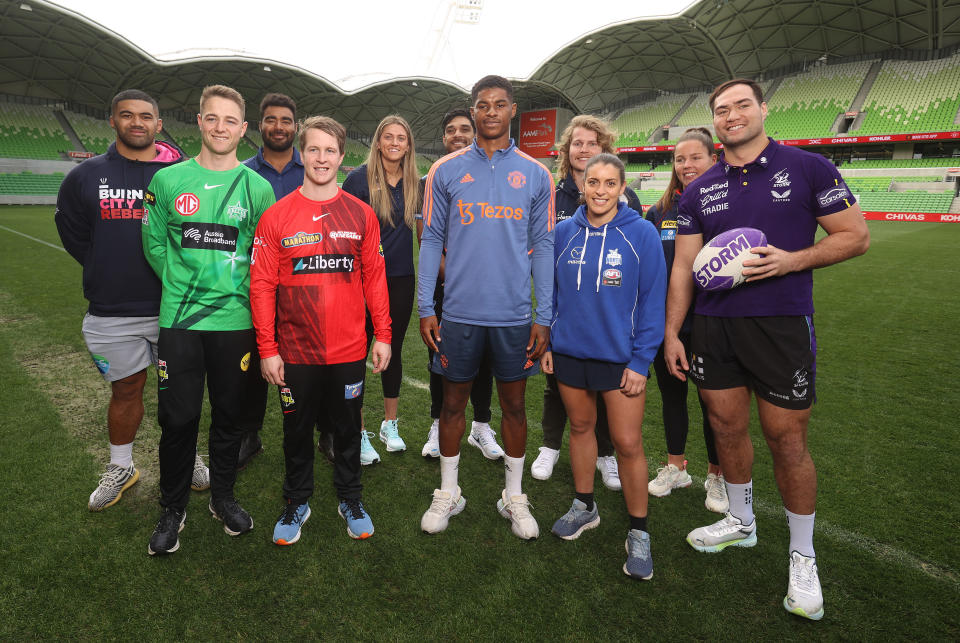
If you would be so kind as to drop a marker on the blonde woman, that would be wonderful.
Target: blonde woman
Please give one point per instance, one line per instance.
(389, 182)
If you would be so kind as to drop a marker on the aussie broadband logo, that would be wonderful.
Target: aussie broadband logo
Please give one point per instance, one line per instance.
(210, 236)
(722, 258)
(101, 362)
(316, 264)
(301, 239)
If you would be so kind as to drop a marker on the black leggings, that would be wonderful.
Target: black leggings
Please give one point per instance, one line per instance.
(400, 290)
(676, 420)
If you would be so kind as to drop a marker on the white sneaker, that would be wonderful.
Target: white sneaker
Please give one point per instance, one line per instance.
(483, 437)
(804, 596)
(726, 532)
(444, 505)
(201, 475)
(716, 489)
(516, 509)
(669, 478)
(542, 467)
(609, 473)
(431, 448)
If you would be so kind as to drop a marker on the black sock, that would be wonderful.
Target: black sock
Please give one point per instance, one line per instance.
(587, 499)
(638, 523)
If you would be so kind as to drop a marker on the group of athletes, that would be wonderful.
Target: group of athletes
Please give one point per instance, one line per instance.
(242, 275)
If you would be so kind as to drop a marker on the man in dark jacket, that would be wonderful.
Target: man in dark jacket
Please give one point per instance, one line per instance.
(99, 213)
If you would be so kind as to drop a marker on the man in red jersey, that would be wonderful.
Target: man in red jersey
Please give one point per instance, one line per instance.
(316, 266)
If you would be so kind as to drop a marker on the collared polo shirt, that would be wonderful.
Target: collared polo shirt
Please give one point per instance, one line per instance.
(283, 183)
(782, 192)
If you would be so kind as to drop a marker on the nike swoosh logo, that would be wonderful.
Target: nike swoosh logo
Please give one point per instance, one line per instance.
(320, 217)
(210, 187)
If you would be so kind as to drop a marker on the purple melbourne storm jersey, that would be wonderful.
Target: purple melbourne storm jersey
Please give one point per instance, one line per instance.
(782, 193)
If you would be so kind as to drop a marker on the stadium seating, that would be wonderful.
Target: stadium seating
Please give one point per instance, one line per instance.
(858, 184)
(31, 132)
(806, 105)
(254, 135)
(913, 97)
(95, 133)
(186, 135)
(635, 125)
(649, 196)
(32, 184)
(697, 114)
(355, 153)
(903, 163)
(909, 201)
(637, 167)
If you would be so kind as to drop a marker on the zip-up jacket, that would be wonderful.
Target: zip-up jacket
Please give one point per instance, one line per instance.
(495, 217)
(666, 225)
(99, 211)
(609, 290)
(568, 198)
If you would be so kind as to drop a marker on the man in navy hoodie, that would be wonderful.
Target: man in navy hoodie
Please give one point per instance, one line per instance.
(99, 213)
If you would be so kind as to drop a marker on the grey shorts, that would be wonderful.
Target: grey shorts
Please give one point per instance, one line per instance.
(121, 346)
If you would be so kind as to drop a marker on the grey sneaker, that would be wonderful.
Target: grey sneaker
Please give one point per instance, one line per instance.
(639, 561)
(573, 523)
(113, 482)
(201, 475)
(483, 437)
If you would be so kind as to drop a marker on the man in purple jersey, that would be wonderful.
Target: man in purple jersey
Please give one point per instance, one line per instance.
(759, 337)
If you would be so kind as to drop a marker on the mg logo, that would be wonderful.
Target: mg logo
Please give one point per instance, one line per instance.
(187, 204)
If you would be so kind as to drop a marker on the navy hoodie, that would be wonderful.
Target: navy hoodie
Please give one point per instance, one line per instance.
(99, 213)
(610, 285)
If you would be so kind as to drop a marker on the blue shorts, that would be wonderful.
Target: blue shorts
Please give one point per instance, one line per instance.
(589, 374)
(463, 346)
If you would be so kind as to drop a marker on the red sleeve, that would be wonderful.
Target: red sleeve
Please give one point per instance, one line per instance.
(264, 280)
(374, 277)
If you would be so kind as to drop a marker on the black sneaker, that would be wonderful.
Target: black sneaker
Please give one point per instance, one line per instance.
(250, 446)
(325, 445)
(165, 538)
(234, 518)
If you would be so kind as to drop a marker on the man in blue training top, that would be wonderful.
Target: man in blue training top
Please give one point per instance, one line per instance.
(492, 207)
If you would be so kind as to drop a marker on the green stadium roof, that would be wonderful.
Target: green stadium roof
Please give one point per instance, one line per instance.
(53, 53)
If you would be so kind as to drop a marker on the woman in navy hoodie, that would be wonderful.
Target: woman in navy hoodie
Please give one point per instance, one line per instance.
(608, 315)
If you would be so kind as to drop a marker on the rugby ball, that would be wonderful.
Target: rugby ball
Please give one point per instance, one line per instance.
(719, 264)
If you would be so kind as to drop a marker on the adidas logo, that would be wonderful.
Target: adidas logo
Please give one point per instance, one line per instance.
(467, 178)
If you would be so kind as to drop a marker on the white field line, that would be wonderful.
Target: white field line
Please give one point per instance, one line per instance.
(49, 245)
(875, 548)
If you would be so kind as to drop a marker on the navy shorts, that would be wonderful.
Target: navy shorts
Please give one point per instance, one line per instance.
(463, 346)
(773, 356)
(589, 374)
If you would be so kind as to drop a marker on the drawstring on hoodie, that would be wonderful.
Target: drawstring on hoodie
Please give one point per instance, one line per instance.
(586, 240)
(603, 243)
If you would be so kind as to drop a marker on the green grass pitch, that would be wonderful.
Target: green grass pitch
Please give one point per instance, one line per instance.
(883, 435)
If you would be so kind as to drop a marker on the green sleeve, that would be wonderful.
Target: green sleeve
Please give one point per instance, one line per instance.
(154, 228)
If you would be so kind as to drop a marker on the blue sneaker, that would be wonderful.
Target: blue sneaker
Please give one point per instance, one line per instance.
(576, 521)
(368, 455)
(359, 525)
(639, 561)
(390, 436)
(289, 523)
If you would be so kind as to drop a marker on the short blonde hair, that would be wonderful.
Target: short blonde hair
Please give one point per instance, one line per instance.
(324, 124)
(222, 91)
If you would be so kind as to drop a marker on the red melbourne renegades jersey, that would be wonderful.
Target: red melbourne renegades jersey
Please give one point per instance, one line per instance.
(316, 267)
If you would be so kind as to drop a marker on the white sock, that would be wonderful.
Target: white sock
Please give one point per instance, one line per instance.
(449, 468)
(741, 501)
(121, 454)
(513, 471)
(801, 532)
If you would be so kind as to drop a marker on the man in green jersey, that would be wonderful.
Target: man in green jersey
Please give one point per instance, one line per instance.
(197, 236)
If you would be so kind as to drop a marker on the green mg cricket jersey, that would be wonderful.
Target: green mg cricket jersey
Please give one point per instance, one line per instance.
(197, 235)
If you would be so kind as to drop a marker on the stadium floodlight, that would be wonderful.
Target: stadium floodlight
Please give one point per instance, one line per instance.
(26, 7)
(267, 68)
